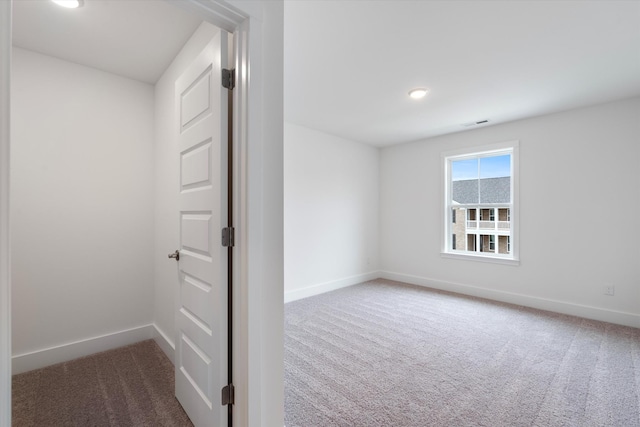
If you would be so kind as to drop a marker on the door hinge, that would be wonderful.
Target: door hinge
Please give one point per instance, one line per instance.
(228, 395)
(228, 237)
(228, 78)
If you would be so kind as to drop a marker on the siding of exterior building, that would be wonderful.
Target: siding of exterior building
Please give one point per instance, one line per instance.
(459, 228)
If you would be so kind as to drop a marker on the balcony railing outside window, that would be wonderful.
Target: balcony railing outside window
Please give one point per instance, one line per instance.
(488, 225)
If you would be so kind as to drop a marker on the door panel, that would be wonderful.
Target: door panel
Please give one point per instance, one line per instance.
(201, 314)
(197, 366)
(196, 232)
(196, 99)
(194, 166)
(195, 297)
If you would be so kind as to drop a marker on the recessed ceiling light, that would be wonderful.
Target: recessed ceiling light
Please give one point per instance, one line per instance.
(70, 4)
(418, 92)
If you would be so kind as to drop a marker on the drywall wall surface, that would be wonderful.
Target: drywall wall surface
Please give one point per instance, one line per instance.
(579, 184)
(330, 209)
(166, 173)
(81, 203)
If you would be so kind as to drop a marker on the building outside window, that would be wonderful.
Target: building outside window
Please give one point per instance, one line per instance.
(480, 191)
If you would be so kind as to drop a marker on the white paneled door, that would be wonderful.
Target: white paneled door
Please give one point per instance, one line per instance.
(201, 312)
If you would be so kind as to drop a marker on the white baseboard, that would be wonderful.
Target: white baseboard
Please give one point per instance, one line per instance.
(65, 352)
(164, 342)
(588, 312)
(321, 288)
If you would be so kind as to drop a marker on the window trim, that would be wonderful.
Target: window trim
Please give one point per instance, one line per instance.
(513, 258)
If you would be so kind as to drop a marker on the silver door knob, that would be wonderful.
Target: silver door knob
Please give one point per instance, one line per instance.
(175, 255)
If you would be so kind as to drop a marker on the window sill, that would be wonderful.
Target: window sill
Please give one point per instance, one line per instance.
(481, 258)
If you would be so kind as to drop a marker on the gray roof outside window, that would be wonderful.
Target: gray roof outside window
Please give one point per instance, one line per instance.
(492, 190)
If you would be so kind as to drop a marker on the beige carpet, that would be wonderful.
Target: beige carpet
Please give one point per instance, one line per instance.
(387, 354)
(129, 386)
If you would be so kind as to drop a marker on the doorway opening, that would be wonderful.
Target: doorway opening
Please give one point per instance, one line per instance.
(105, 275)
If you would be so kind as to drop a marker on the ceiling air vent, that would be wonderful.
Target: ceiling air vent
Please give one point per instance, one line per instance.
(479, 122)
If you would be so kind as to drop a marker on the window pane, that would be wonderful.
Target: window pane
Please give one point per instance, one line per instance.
(464, 177)
(464, 169)
(495, 179)
(458, 229)
(495, 166)
(465, 192)
(495, 190)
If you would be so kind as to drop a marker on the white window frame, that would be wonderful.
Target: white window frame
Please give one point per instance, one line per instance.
(507, 147)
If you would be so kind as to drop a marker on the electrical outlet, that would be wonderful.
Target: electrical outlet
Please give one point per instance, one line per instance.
(609, 290)
(368, 261)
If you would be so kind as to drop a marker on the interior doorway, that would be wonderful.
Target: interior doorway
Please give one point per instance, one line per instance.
(79, 163)
(258, 28)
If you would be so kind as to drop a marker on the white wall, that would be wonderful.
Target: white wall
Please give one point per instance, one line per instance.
(579, 191)
(166, 186)
(330, 212)
(81, 203)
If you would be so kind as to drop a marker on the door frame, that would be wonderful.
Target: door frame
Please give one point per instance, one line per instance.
(5, 241)
(246, 23)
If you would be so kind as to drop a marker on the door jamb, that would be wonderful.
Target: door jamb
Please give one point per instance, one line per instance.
(5, 240)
